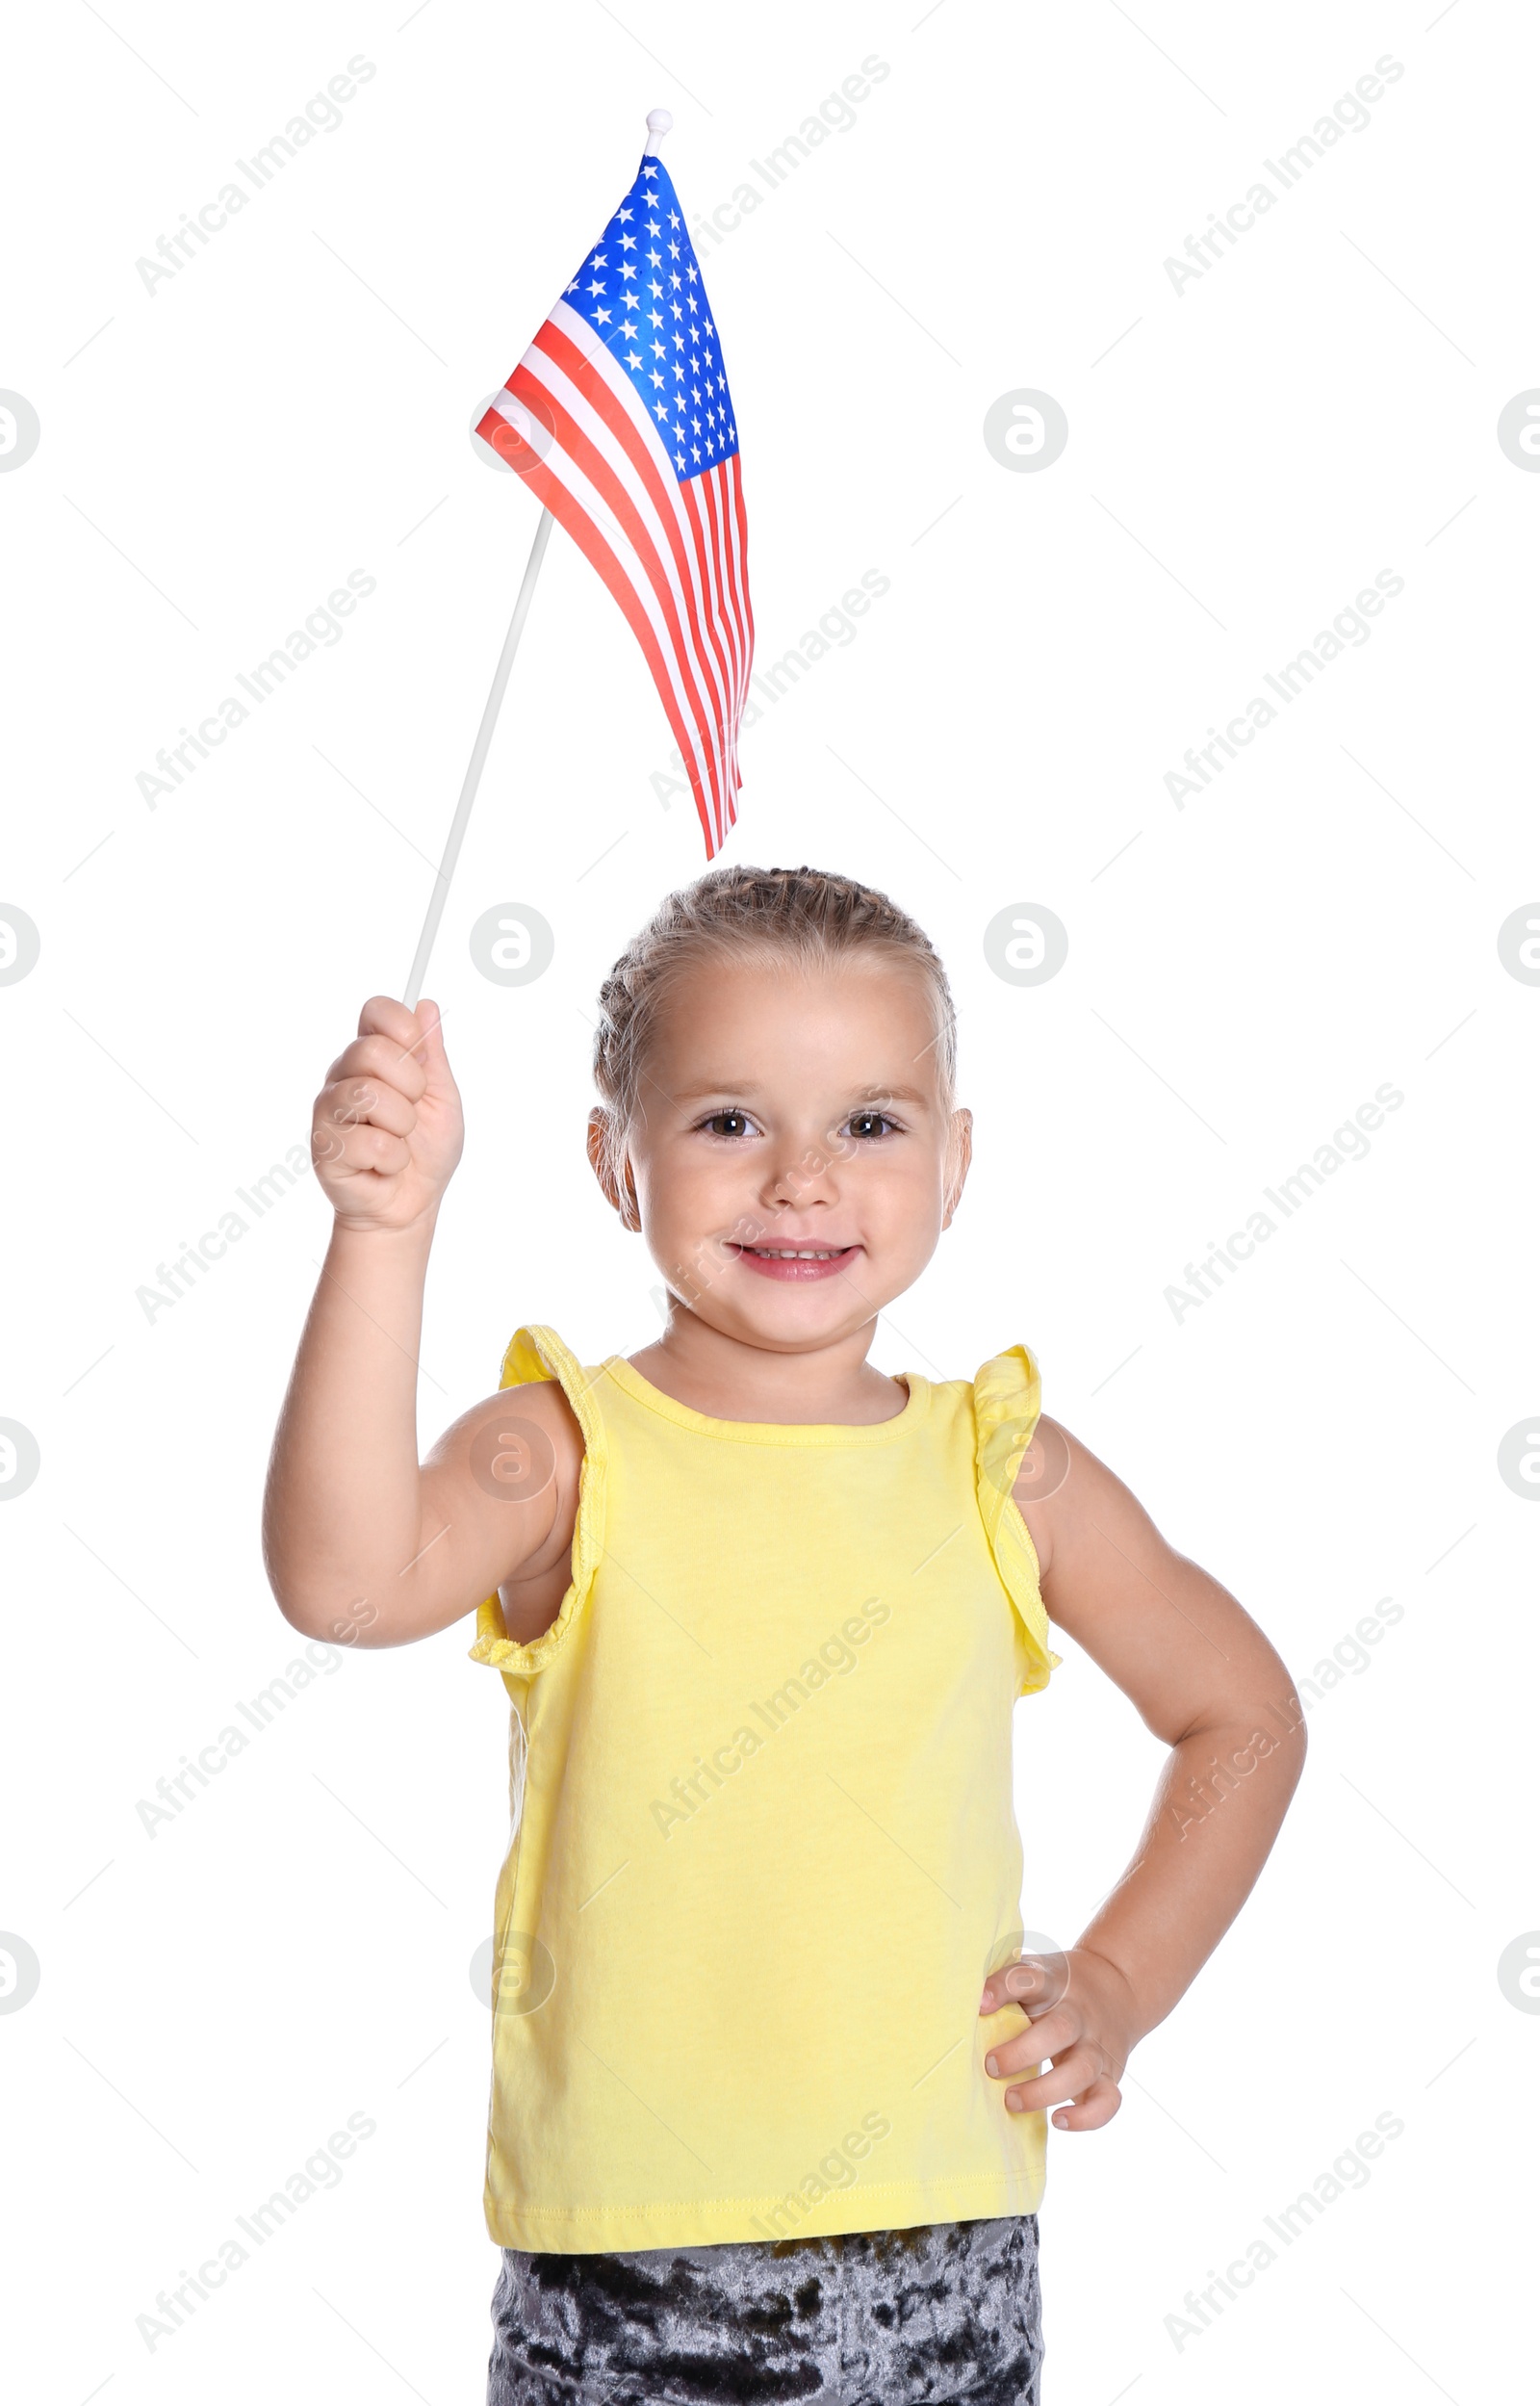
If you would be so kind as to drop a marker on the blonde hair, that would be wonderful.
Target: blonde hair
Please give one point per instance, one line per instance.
(811, 917)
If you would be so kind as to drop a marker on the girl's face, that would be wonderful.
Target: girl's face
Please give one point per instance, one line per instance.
(791, 1164)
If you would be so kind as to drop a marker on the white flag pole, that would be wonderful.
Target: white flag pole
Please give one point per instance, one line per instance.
(478, 760)
(658, 122)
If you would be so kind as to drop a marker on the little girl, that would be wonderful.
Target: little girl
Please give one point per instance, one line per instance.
(769, 2039)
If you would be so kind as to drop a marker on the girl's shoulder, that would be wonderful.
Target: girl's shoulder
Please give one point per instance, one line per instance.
(1004, 1401)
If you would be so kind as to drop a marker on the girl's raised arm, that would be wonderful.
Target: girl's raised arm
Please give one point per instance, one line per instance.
(362, 1544)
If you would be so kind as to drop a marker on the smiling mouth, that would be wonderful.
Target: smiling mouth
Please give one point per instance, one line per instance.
(797, 1262)
(797, 1252)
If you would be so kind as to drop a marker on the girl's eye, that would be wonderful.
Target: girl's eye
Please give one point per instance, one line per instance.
(870, 1124)
(728, 1123)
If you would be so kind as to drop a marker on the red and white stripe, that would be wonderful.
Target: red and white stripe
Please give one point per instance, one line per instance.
(675, 555)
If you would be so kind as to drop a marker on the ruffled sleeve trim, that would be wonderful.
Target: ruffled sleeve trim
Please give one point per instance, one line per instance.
(536, 1352)
(1007, 1403)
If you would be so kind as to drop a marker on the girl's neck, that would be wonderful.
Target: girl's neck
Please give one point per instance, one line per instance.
(727, 1377)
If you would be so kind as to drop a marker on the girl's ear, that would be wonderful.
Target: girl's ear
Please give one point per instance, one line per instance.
(620, 1192)
(960, 1156)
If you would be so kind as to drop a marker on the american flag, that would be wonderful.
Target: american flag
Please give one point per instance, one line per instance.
(619, 417)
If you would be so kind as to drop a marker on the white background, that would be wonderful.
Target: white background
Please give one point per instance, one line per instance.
(1244, 457)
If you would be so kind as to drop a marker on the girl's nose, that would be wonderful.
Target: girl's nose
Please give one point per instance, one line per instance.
(810, 1177)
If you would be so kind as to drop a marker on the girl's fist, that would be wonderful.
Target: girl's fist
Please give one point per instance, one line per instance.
(386, 1128)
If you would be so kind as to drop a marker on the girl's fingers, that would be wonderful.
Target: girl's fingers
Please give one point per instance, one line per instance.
(383, 1058)
(1034, 1983)
(348, 1099)
(385, 1015)
(1092, 2109)
(429, 1053)
(360, 1148)
(1072, 2072)
(420, 1035)
(1051, 2035)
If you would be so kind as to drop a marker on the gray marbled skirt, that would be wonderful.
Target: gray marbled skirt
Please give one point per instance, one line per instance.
(945, 2314)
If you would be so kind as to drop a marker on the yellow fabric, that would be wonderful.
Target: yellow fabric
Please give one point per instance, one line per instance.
(764, 1852)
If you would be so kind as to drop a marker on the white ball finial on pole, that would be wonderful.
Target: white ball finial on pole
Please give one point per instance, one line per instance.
(659, 124)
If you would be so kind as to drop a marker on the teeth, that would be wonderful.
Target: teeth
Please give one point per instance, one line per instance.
(774, 1253)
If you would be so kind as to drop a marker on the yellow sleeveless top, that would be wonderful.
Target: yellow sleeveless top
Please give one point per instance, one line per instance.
(764, 1852)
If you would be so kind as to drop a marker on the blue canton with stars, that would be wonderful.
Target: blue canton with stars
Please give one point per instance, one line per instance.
(640, 290)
